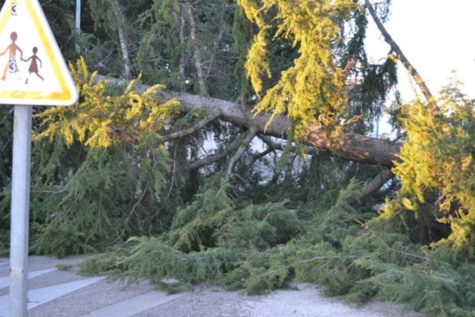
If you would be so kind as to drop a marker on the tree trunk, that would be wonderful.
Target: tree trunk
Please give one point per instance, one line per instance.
(122, 40)
(351, 146)
(196, 52)
(181, 66)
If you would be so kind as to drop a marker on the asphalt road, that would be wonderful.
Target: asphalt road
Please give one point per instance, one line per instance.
(59, 293)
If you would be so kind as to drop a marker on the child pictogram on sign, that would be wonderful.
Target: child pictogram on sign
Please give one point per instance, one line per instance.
(34, 65)
(11, 65)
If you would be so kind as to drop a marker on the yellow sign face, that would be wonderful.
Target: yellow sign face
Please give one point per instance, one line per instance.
(32, 68)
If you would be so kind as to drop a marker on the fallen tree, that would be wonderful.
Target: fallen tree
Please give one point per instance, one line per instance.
(351, 146)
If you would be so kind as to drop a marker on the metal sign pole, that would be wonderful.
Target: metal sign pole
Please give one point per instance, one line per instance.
(20, 210)
(78, 22)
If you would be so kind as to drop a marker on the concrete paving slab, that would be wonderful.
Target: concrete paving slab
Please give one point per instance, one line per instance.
(135, 305)
(89, 299)
(43, 295)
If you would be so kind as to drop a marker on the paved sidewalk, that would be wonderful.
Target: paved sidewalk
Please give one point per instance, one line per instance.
(56, 293)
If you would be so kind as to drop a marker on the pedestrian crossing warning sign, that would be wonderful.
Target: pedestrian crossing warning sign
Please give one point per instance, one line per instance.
(32, 68)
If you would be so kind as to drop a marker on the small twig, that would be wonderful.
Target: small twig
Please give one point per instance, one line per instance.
(318, 258)
(172, 181)
(132, 211)
(49, 191)
(259, 156)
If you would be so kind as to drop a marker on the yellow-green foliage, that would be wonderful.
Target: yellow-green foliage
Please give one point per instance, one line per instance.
(313, 88)
(103, 118)
(437, 158)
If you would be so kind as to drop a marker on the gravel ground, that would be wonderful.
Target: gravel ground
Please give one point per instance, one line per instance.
(305, 301)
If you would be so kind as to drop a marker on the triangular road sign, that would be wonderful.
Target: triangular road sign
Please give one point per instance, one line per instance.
(32, 68)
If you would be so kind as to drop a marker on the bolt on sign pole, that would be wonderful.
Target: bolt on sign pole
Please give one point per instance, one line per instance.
(32, 72)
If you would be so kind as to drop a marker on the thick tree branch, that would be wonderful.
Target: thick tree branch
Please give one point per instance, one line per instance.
(216, 157)
(395, 48)
(368, 189)
(376, 183)
(182, 133)
(244, 145)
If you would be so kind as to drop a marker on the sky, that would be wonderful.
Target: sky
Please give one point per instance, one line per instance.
(436, 36)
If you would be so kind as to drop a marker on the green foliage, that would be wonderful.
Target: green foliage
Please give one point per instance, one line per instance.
(193, 226)
(153, 259)
(436, 167)
(6, 143)
(209, 240)
(398, 270)
(100, 169)
(5, 242)
(163, 51)
(234, 249)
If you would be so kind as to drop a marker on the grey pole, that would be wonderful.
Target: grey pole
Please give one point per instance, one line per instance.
(78, 21)
(78, 14)
(20, 210)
